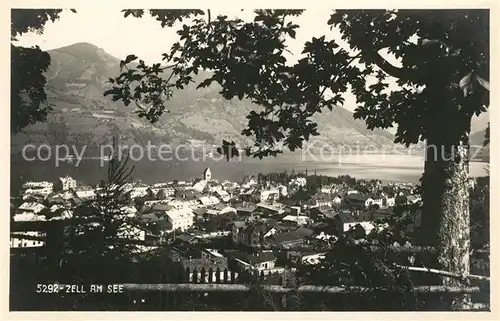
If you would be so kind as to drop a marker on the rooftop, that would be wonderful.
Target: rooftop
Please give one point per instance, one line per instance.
(287, 237)
(260, 257)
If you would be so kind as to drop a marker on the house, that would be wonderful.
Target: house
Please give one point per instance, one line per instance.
(305, 232)
(238, 226)
(266, 195)
(26, 239)
(326, 237)
(406, 199)
(346, 221)
(159, 227)
(221, 209)
(30, 211)
(38, 188)
(253, 234)
(260, 261)
(59, 212)
(295, 210)
(312, 258)
(187, 194)
(84, 193)
(186, 239)
(249, 184)
(197, 263)
(271, 208)
(42, 184)
(208, 200)
(288, 240)
(199, 212)
(27, 217)
(298, 182)
(379, 201)
(200, 186)
(149, 219)
(166, 190)
(180, 204)
(388, 201)
(31, 207)
(223, 195)
(180, 218)
(357, 200)
(413, 199)
(328, 189)
(318, 213)
(37, 198)
(129, 211)
(159, 208)
(298, 219)
(245, 211)
(321, 199)
(138, 191)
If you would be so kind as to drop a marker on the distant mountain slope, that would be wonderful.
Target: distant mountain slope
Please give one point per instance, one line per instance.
(478, 137)
(78, 77)
(479, 123)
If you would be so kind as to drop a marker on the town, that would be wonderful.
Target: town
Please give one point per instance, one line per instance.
(265, 223)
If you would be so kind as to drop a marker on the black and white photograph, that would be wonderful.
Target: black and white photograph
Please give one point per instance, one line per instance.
(227, 159)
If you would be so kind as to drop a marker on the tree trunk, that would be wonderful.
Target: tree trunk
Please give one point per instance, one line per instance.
(445, 211)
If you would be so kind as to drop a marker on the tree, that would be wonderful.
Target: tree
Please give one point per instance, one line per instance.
(442, 83)
(28, 65)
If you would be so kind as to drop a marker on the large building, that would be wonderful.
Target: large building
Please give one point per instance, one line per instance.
(67, 183)
(207, 174)
(180, 218)
(38, 188)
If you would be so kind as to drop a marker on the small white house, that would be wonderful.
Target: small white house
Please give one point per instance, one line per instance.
(18, 241)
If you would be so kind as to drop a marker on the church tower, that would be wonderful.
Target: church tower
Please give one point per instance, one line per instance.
(207, 174)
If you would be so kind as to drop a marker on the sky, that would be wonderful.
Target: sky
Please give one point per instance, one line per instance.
(119, 36)
(106, 28)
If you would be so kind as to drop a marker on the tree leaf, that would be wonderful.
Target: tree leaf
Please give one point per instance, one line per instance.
(482, 82)
(130, 58)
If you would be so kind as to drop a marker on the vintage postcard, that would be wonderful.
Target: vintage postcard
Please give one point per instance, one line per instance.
(228, 159)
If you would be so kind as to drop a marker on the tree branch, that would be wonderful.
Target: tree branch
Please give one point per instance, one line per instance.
(376, 58)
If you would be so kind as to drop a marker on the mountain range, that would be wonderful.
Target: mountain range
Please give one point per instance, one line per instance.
(77, 79)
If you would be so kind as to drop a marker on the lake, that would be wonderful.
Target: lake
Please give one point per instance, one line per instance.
(388, 167)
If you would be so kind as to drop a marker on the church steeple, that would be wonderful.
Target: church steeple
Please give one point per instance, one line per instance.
(207, 174)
